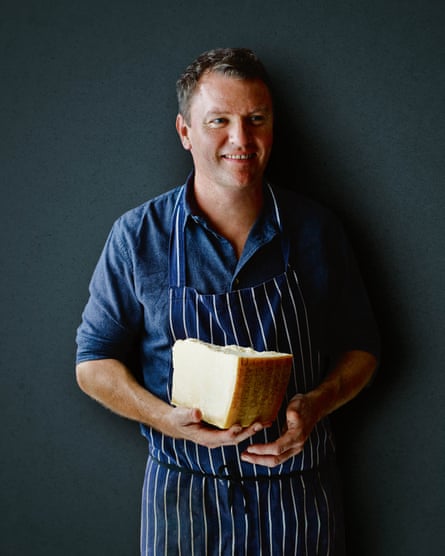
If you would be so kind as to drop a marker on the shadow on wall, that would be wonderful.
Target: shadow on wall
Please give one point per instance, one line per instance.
(298, 163)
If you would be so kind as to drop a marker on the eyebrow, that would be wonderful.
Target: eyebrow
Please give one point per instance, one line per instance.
(217, 111)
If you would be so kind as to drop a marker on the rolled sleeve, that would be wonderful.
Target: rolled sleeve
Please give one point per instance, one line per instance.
(112, 317)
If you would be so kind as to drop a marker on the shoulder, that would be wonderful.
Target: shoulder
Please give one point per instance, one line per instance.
(151, 217)
(143, 233)
(300, 212)
(317, 236)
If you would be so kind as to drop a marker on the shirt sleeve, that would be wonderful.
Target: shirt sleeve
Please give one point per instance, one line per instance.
(111, 321)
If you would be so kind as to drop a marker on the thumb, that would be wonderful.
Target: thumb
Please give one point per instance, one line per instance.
(293, 417)
(195, 415)
(189, 415)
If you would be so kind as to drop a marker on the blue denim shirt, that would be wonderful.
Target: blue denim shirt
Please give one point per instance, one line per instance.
(126, 316)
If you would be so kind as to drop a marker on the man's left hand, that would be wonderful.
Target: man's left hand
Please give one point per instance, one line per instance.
(301, 419)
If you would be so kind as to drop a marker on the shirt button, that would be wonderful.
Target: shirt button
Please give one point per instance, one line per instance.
(236, 281)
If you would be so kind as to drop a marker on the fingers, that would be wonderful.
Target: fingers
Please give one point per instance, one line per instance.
(189, 425)
(229, 437)
(237, 433)
(300, 421)
(273, 453)
(289, 444)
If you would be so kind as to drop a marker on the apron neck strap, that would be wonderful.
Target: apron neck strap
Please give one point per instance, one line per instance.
(177, 266)
(177, 243)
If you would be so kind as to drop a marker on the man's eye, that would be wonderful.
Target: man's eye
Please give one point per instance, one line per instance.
(257, 119)
(218, 121)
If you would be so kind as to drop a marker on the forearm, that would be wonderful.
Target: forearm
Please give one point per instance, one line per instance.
(111, 383)
(350, 375)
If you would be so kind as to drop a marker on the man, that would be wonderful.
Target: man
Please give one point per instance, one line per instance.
(229, 259)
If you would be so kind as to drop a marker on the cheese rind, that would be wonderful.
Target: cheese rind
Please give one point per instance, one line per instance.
(230, 384)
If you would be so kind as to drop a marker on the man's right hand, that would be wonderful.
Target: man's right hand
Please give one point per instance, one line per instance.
(189, 425)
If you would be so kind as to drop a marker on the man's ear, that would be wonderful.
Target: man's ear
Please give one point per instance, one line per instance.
(183, 131)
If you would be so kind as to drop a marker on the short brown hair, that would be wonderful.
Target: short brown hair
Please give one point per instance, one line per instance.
(241, 63)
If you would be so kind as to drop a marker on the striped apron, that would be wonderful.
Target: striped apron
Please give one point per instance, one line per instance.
(207, 502)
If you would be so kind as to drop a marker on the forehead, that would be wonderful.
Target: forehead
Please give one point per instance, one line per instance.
(217, 92)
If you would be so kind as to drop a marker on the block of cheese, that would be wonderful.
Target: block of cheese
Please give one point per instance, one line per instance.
(230, 384)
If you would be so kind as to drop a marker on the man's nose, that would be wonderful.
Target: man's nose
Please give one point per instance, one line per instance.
(240, 134)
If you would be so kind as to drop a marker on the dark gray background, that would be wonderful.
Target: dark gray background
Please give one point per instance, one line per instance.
(87, 132)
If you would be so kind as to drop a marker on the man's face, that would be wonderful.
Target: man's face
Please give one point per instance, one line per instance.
(230, 131)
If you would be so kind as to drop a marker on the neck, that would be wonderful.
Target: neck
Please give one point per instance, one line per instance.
(230, 211)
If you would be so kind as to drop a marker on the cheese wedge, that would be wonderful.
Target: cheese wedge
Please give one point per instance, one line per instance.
(231, 384)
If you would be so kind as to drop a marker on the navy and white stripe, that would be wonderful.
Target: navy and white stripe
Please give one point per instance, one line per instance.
(188, 513)
(207, 501)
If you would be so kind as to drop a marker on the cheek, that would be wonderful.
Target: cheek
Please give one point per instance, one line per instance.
(204, 154)
(267, 143)
(266, 137)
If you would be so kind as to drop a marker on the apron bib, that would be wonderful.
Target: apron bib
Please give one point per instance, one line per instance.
(200, 482)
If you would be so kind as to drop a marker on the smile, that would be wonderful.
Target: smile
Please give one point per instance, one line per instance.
(239, 156)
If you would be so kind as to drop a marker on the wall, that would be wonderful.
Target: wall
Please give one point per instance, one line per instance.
(87, 131)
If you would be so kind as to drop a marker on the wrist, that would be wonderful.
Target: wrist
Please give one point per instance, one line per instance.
(323, 399)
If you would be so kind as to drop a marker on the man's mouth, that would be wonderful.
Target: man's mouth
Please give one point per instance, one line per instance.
(239, 156)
